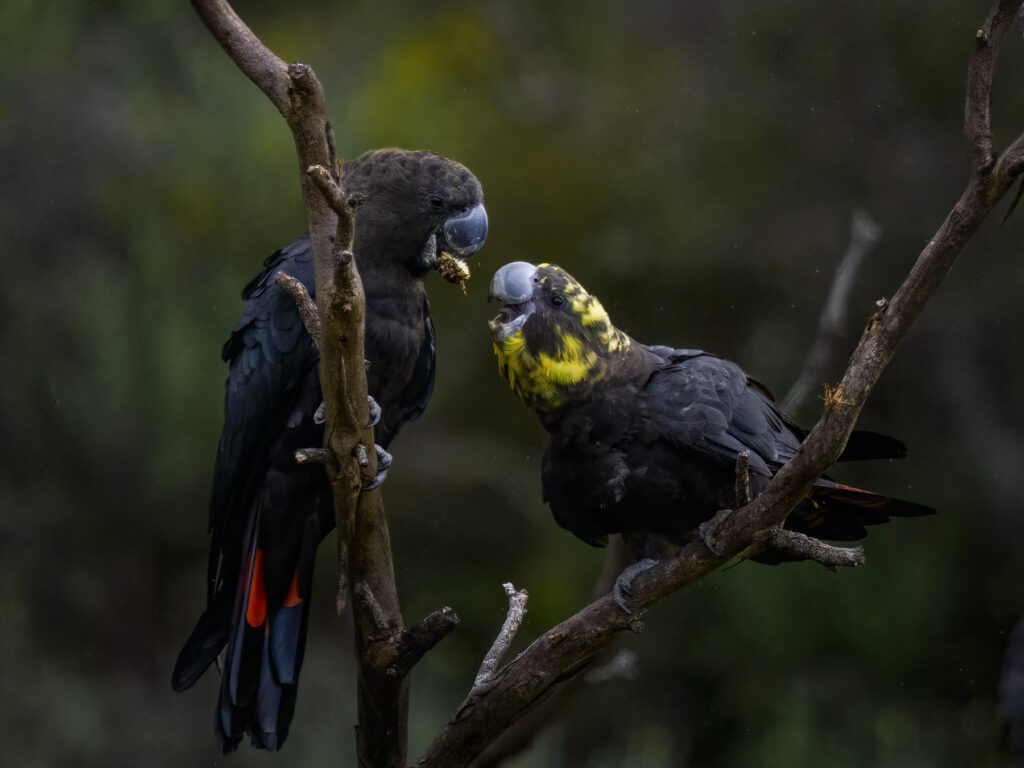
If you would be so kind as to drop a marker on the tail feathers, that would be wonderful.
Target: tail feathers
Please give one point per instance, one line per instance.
(286, 643)
(275, 705)
(261, 669)
(840, 512)
(263, 709)
(864, 445)
(206, 641)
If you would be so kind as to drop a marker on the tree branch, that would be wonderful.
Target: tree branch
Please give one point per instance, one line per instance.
(978, 104)
(516, 613)
(742, 489)
(364, 547)
(317, 455)
(566, 649)
(809, 548)
(255, 60)
(422, 637)
(307, 307)
(329, 188)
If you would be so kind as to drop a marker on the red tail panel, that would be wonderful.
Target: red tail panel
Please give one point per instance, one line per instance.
(256, 610)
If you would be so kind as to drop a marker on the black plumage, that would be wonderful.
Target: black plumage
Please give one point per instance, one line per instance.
(644, 439)
(267, 513)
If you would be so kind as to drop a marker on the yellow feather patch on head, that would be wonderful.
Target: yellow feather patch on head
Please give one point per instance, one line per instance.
(577, 358)
(542, 379)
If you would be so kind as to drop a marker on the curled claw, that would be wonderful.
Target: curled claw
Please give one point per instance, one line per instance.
(383, 465)
(621, 590)
(319, 417)
(375, 411)
(708, 531)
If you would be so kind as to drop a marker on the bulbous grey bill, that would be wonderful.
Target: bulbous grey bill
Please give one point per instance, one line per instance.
(514, 282)
(465, 233)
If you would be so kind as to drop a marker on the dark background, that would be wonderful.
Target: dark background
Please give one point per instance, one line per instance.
(694, 165)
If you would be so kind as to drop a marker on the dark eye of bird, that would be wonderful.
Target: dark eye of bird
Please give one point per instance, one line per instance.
(436, 201)
(557, 301)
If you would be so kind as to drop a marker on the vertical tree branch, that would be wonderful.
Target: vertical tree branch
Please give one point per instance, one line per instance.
(363, 537)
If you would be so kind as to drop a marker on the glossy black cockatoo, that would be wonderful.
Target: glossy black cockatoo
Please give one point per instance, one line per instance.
(644, 439)
(268, 513)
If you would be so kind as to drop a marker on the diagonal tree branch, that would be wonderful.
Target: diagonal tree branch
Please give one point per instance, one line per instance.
(307, 307)
(567, 648)
(255, 60)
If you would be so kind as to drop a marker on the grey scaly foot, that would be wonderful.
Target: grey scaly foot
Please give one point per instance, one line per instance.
(383, 465)
(621, 590)
(708, 531)
(375, 411)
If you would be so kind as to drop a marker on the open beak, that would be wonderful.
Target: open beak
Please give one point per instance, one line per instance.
(513, 285)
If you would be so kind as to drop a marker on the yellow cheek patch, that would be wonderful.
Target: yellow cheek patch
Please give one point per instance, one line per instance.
(569, 365)
(543, 379)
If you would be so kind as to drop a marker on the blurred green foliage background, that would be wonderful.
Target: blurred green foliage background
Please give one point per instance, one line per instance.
(693, 164)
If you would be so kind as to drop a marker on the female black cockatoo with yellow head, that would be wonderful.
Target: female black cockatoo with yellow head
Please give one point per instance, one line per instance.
(644, 439)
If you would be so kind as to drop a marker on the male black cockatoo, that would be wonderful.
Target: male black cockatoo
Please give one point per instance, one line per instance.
(268, 513)
(644, 439)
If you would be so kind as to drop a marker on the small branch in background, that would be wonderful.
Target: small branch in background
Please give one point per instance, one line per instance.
(516, 612)
(1011, 692)
(307, 307)
(624, 665)
(809, 548)
(864, 234)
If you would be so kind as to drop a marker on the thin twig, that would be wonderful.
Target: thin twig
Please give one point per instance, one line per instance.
(329, 188)
(315, 455)
(810, 548)
(307, 307)
(516, 612)
(421, 637)
(864, 234)
(520, 734)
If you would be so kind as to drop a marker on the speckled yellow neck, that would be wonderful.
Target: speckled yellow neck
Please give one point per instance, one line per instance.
(546, 381)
